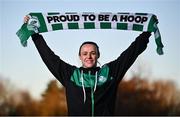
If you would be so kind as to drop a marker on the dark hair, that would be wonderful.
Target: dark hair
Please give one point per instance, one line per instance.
(90, 42)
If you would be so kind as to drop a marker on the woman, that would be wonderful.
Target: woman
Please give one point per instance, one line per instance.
(90, 90)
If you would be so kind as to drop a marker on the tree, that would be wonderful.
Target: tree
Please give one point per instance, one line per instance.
(6, 92)
(53, 101)
(139, 97)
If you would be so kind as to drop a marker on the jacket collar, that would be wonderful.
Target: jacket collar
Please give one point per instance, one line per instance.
(93, 70)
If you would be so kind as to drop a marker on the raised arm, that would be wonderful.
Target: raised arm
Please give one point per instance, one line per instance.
(60, 69)
(119, 67)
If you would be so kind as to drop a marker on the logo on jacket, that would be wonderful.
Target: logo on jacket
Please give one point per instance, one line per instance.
(102, 79)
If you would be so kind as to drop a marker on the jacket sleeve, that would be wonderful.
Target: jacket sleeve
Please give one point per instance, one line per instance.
(119, 67)
(60, 69)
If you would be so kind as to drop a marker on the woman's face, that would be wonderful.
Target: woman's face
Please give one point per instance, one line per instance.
(88, 55)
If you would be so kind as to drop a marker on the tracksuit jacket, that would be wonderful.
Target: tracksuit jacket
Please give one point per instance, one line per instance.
(91, 91)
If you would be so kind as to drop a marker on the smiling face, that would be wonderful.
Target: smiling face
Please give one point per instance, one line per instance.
(88, 55)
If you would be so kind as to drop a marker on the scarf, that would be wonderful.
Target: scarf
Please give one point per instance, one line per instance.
(45, 22)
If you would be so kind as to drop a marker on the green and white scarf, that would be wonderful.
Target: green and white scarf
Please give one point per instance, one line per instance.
(45, 22)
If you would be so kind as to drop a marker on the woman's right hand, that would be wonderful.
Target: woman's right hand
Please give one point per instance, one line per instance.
(26, 19)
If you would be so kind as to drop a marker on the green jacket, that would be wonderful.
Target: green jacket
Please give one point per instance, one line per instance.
(91, 91)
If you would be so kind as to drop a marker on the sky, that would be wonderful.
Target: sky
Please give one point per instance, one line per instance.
(24, 67)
